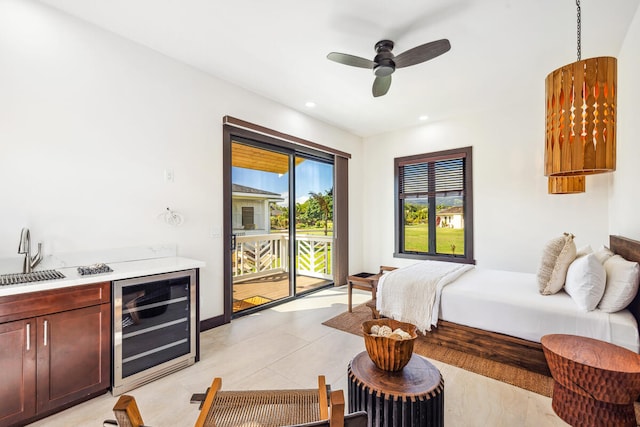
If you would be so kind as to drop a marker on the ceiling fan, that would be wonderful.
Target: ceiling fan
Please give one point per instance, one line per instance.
(385, 62)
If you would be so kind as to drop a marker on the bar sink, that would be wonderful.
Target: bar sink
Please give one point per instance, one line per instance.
(34, 276)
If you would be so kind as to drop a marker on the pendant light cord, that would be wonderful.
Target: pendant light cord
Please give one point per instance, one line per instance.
(579, 31)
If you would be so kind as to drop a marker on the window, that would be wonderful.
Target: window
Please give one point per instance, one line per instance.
(248, 222)
(434, 206)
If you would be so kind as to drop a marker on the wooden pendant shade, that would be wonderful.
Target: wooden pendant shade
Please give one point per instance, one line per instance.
(566, 184)
(580, 122)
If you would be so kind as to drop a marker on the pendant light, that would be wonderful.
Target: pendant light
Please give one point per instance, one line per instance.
(580, 120)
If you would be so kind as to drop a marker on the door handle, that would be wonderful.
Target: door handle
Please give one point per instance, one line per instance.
(46, 324)
(28, 336)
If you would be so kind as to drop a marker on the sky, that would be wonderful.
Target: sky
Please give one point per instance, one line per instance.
(311, 176)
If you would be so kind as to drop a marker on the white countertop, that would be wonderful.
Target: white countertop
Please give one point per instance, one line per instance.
(121, 270)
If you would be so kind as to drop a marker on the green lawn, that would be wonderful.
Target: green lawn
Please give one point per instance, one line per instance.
(314, 231)
(417, 236)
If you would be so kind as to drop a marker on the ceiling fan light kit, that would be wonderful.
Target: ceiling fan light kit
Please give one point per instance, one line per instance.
(385, 62)
(581, 100)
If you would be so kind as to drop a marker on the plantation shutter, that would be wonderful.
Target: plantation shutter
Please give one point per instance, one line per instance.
(449, 176)
(414, 180)
(420, 179)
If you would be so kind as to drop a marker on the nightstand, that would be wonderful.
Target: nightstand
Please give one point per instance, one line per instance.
(366, 282)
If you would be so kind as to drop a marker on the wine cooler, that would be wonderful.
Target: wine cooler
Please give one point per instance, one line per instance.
(154, 327)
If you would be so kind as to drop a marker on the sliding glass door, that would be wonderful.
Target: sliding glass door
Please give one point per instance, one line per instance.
(260, 258)
(314, 223)
(281, 223)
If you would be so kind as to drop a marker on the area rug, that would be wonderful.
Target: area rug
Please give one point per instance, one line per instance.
(532, 381)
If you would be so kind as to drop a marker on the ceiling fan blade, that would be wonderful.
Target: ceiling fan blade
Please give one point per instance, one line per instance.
(354, 61)
(422, 53)
(381, 86)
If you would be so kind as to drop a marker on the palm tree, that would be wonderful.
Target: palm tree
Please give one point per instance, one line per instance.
(323, 201)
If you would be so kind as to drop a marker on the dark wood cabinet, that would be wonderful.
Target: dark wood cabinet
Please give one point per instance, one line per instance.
(57, 357)
(73, 355)
(18, 367)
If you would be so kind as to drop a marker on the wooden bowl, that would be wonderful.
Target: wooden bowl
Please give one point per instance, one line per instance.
(389, 354)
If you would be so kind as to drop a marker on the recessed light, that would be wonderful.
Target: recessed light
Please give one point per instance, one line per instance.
(310, 104)
(423, 118)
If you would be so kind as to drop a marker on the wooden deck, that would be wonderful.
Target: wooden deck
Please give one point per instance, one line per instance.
(250, 293)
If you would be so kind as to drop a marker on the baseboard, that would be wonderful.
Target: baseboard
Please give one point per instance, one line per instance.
(212, 322)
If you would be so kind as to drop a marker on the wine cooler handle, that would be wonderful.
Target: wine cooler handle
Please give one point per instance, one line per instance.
(46, 322)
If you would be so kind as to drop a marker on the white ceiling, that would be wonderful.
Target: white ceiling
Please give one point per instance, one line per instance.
(278, 48)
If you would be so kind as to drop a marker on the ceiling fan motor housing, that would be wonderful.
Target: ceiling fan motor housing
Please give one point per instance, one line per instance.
(384, 59)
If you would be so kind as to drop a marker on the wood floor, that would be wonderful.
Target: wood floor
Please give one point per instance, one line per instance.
(250, 293)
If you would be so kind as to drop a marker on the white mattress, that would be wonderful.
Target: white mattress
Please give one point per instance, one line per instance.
(509, 303)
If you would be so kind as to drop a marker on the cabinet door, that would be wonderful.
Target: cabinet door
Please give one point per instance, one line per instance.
(18, 367)
(73, 355)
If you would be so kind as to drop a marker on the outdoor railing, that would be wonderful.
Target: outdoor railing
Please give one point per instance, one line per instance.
(261, 255)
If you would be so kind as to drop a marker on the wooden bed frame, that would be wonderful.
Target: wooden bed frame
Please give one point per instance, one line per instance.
(516, 351)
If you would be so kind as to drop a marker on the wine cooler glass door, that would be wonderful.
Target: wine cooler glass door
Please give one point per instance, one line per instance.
(154, 327)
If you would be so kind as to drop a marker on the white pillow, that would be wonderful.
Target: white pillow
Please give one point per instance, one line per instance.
(585, 250)
(603, 253)
(586, 279)
(622, 284)
(558, 253)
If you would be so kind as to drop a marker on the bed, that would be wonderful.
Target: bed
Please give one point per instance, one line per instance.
(478, 316)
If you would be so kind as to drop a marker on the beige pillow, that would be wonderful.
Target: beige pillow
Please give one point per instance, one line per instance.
(603, 254)
(557, 255)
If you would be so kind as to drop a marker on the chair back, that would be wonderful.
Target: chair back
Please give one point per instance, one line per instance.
(127, 413)
(337, 417)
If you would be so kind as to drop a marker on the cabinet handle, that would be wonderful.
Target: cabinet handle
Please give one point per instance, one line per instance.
(28, 336)
(46, 322)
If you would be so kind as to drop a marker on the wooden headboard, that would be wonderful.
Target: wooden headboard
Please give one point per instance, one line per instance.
(629, 249)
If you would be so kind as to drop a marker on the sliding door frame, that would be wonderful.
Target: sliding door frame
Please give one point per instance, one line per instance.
(263, 136)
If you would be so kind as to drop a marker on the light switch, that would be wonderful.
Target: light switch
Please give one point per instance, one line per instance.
(168, 175)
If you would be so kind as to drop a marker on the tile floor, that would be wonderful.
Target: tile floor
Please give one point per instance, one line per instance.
(287, 347)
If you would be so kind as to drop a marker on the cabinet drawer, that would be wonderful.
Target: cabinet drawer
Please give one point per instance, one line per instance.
(22, 306)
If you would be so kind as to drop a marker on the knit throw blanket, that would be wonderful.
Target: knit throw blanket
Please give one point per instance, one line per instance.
(412, 294)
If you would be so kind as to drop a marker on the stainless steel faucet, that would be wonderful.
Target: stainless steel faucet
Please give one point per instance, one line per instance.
(25, 248)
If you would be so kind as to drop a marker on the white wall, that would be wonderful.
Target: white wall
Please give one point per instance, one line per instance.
(90, 121)
(513, 214)
(625, 201)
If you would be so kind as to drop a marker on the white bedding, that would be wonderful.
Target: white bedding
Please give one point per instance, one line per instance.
(509, 303)
(412, 294)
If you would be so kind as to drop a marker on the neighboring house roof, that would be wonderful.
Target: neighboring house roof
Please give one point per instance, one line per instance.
(237, 188)
(451, 211)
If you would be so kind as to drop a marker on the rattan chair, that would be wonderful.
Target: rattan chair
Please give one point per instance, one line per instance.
(275, 408)
(126, 412)
(264, 408)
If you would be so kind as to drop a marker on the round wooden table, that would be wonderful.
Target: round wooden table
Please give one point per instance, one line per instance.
(413, 396)
(595, 382)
